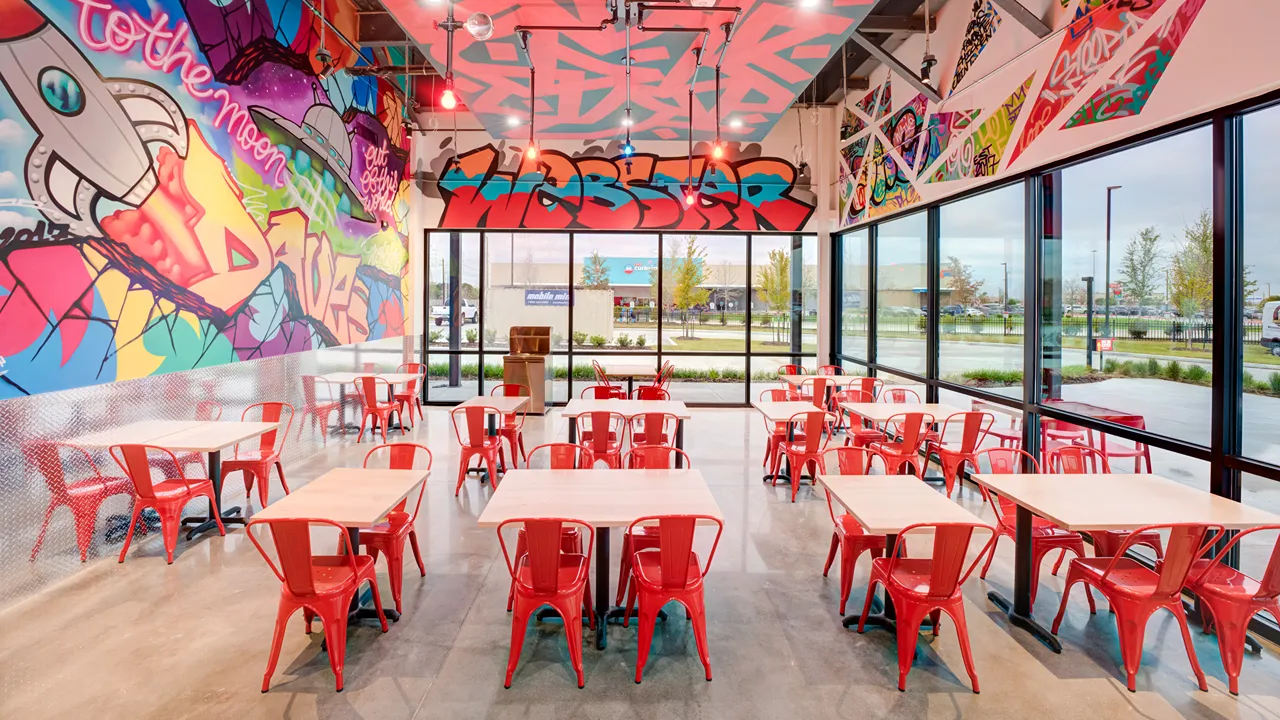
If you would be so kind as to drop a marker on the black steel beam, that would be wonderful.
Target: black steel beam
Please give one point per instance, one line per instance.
(896, 23)
(896, 66)
(1025, 17)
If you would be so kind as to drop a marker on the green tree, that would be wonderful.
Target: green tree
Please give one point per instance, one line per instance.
(689, 276)
(964, 288)
(1191, 276)
(595, 272)
(666, 268)
(774, 284)
(1140, 269)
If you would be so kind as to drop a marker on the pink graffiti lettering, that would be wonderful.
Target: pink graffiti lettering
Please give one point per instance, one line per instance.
(163, 50)
(377, 183)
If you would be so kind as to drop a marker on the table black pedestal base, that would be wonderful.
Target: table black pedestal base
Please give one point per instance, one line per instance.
(230, 516)
(1025, 622)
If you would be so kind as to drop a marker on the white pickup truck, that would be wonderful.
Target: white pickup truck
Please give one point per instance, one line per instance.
(469, 312)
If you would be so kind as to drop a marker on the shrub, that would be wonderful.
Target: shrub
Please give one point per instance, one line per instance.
(641, 340)
(1196, 374)
(598, 341)
(713, 374)
(996, 376)
(556, 339)
(921, 323)
(490, 337)
(435, 336)
(579, 338)
(472, 335)
(1128, 369)
(1153, 367)
(1074, 372)
(1274, 382)
(1173, 371)
(1111, 367)
(623, 340)
(1139, 329)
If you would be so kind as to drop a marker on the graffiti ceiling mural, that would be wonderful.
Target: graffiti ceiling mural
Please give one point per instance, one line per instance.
(1103, 64)
(777, 47)
(180, 188)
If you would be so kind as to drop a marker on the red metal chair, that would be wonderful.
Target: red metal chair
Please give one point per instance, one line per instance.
(1071, 460)
(653, 428)
(869, 385)
(899, 395)
(603, 392)
(369, 367)
(813, 434)
(475, 441)
(321, 585)
(604, 433)
(1007, 437)
(315, 408)
(777, 431)
(602, 377)
(1233, 598)
(654, 457)
(829, 370)
(651, 392)
(82, 497)
(377, 412)
(411, 397)
(928, 587)
(791, 370)
(257, 464)
(388, 537)
(848, 538)
(1056, 433)
(1136, 592)
(1045, 536)
(858, 433)
(1140, 452)
(167, 497)
(547, 575)
(670, 571)
(974, 427)
(512, 427)
(665, 373)
(910, 430)
(560, 456)
(816, 389)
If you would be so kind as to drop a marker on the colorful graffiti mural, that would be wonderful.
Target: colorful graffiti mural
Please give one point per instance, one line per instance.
(181, 188)
(615, 193)
(1103, 64)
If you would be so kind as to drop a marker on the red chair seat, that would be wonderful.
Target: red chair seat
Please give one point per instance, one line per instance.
(1128, 577)
(176, 489)
(332, 573)
(571, 576)
(848, 525)
(1222, 581)
(97, 485)
(647, 566)
(246, 457)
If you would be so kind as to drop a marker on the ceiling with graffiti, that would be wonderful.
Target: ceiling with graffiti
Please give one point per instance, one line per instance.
(777, 47)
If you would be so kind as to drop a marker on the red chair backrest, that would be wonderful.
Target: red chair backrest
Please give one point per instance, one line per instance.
(652, 392)
(369, 367)
(44, 456)
(292, 540)
(658, 427)
(403, 456)
(899, 395)
(210, 410)
(510, 390)
(973, 428)
(473, 418)
(367, 388)
(1005, 461)
(950, 546)
(1269, 585)
(308, 391)
(565, 456)
(1076, 460)
(654, 457)
(818, 387)
(675, 546)
(830, 370)
(779, 395)
(815, 425)
(600, 424)
(869, 385)
(849, 395)
(1186, 544)
(604, 392)
(853, 460)
(270, 412)
(543, 549)
(910, 429)
(135, 461)
(791, 370)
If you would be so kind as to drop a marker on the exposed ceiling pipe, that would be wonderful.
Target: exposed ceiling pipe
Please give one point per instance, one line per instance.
(604, 24)
(345, 40)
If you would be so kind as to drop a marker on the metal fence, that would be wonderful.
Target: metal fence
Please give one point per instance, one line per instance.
(1197, 332)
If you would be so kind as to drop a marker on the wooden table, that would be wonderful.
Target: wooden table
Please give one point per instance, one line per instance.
(354, 498)
(343, 379)
(603, 499)
(782, 412)
(884, 505)
(207, 436)
(628, 409)
(629, 373)
(1128, 502)
(504, 405)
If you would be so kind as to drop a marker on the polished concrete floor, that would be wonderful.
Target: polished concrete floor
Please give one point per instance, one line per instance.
(146, 640)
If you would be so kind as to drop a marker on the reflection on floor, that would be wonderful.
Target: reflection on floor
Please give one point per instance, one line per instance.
(144, 640)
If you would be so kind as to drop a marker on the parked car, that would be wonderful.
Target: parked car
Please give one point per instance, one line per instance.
(974, 312)
(469, 312)
(952, 310)
(1271, 327)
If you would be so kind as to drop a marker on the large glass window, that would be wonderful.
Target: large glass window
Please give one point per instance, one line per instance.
(1139, 224)
(853, 303)
(453, 318)
(980, 289)
(526, 282)
(1261, 289)
(902, 292)
(616, 293)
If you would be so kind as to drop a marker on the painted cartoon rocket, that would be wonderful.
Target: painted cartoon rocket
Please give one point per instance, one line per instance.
(93, 132)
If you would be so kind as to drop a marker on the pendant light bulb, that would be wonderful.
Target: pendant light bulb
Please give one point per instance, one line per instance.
(532, 152)
(448, 99)
(717, 150)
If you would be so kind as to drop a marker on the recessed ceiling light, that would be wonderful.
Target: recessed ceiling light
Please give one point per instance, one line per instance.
(513, 121)
(735, 123)
(809, 3)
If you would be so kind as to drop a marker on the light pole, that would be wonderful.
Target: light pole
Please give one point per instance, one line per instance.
(1106, 288)
(1004, 300)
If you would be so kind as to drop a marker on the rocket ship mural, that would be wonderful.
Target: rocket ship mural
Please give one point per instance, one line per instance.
(93, 132)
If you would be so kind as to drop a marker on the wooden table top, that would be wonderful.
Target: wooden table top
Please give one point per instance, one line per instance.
(601, 498)
(885, 504)
(352, 497)
(1114, 501)
(215, 435)
(502, 403)
(350, 377)
(143, 432)
(626, 408)
(882, 411)
(837, 380)
(622, 370)
(783, 411)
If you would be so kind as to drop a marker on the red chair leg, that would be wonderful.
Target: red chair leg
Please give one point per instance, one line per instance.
(910, 616)
(571, 610)
(848, 561)
(283, 613)
(624, 569)
(831, 554)
(417, 553)
(519, 624)
(956, 612)
(694, 603)
(48, 515)
(990, 556)
(133, 523)
(648, 619)
(1131, 626)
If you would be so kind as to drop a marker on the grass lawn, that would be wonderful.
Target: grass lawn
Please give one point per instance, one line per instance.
(697, 344)
(1252, 353)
